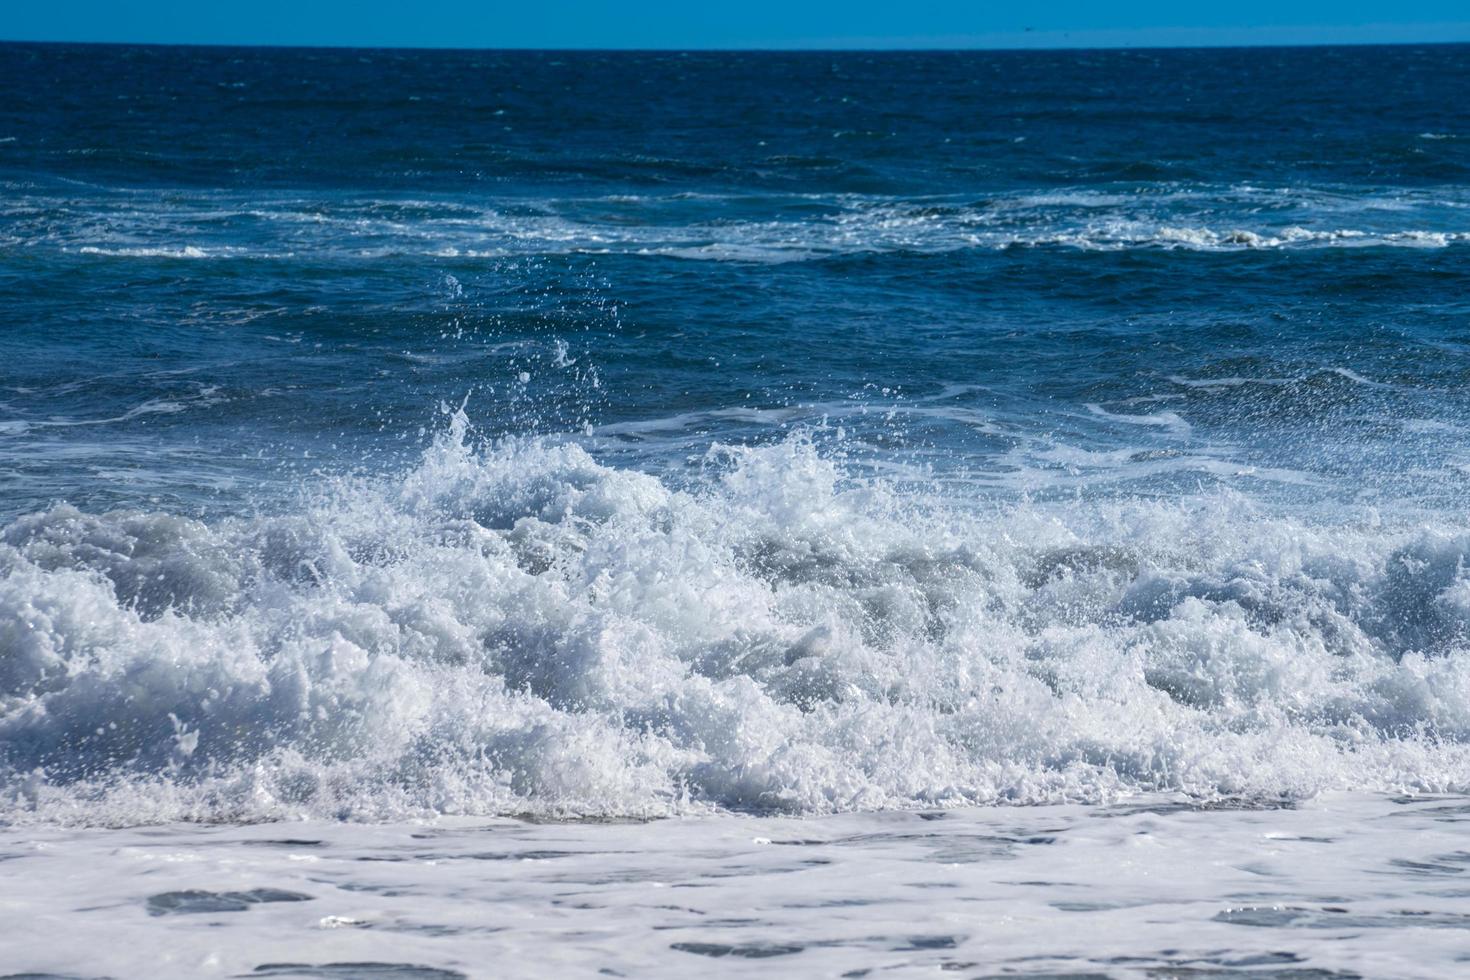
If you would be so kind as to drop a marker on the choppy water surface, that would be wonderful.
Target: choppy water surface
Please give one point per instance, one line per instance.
(790, 445)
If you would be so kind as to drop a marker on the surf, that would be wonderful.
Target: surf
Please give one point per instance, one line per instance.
(510, 626)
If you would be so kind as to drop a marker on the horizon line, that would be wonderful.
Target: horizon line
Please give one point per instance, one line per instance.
(739, 49)
(1378, 34)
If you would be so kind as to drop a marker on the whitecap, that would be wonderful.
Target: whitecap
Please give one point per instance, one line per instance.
(519, 628)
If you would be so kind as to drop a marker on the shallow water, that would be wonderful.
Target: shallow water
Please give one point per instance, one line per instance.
(1342, 886)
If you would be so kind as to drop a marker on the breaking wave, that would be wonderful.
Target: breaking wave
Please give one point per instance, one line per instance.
(516, 628)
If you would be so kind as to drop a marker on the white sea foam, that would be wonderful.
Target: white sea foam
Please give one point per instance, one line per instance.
(517, 628)
(1338, 888)
(1161, 420)
(148, 252)
(203, 396)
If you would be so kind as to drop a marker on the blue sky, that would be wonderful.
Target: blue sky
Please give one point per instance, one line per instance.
(736, 23)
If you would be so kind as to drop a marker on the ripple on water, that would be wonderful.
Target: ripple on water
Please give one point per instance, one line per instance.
(355, 971)
(749, 951)
(1331, 917)
(194, 901)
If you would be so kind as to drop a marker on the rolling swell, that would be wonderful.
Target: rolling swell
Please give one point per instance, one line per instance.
(514, 627)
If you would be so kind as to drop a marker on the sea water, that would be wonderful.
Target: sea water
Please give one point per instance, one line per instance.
(527, 513)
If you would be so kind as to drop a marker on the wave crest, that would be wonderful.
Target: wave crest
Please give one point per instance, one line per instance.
(517, 628)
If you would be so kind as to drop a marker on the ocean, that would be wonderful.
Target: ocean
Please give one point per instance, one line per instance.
(472, 514)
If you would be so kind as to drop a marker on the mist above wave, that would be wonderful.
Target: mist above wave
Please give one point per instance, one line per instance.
(514, 627)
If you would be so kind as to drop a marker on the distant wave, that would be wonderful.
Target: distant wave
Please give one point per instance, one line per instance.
(764, 229)
(816, 247)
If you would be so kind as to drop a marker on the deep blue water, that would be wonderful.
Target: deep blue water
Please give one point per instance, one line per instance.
(389, 434)
(1136, 272)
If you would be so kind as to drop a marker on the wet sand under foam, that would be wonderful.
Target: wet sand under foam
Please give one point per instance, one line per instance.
(1342, 886)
